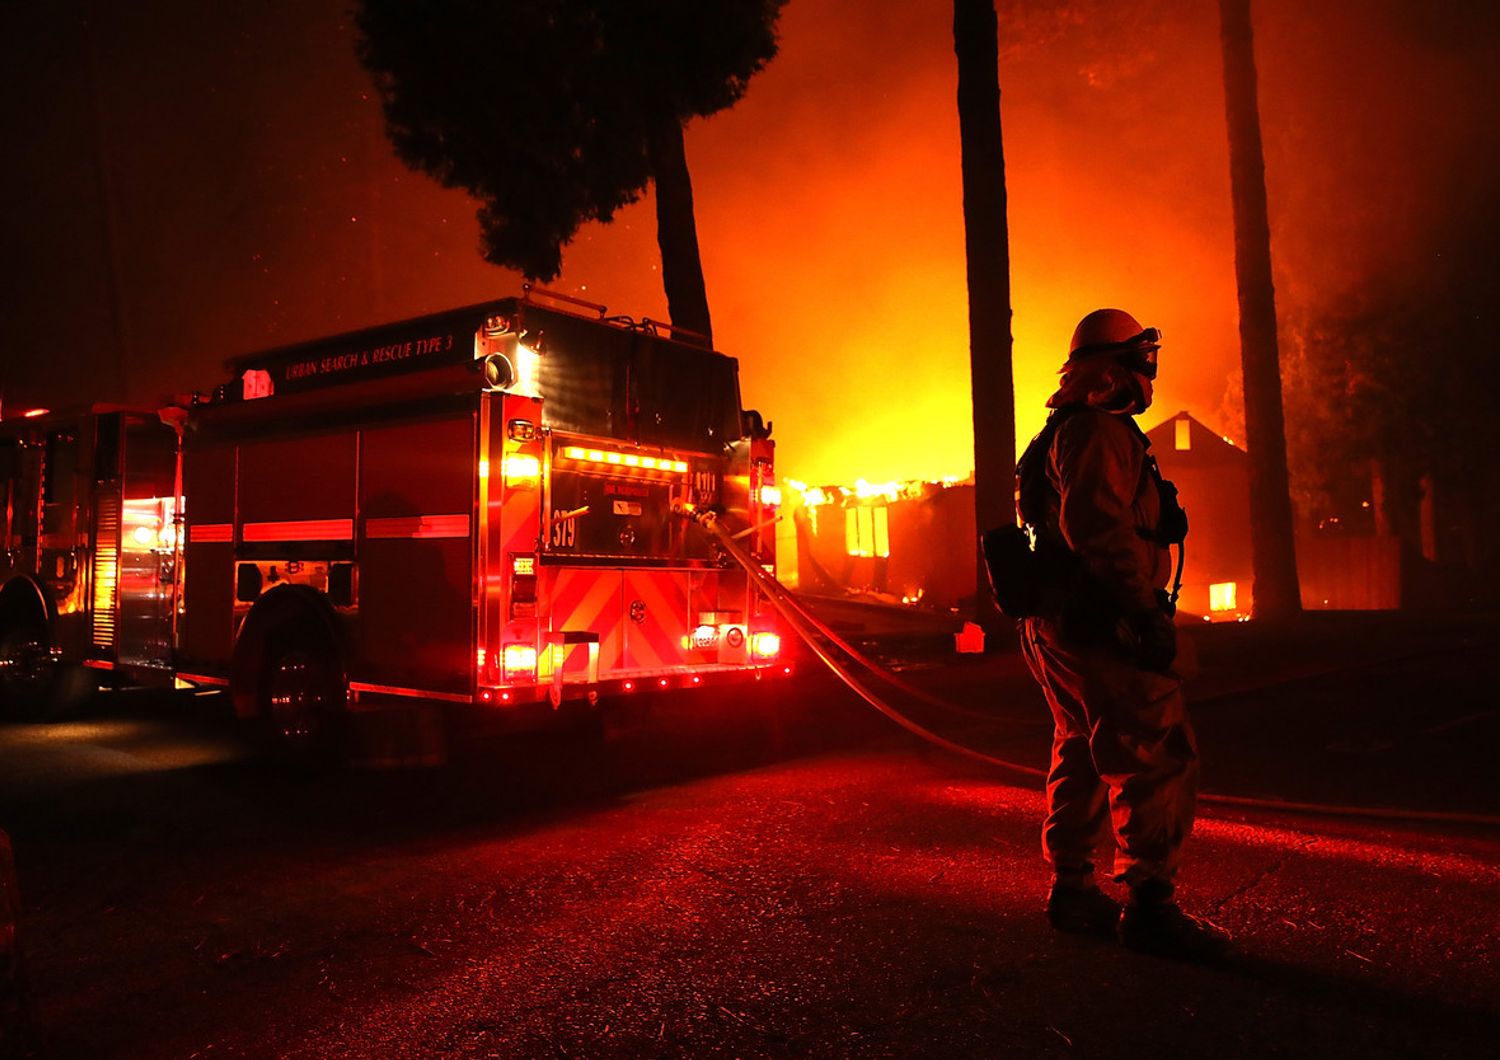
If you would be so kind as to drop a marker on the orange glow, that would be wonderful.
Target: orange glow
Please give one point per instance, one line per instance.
(527, 372)
(867, 531)
(864, 366)
(840, 284)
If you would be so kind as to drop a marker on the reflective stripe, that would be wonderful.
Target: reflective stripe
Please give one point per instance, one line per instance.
(203, 679)
(207, 533)
(421, 526)
(301, 530)
(416, 693)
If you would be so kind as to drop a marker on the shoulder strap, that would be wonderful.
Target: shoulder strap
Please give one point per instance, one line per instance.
(1031, 469)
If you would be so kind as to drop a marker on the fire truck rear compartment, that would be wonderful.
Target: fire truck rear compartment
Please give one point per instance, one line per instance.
(470, 537)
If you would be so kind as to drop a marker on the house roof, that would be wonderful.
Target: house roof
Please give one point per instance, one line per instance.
(1201, 440)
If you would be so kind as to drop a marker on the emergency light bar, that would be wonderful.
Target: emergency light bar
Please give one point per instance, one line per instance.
(609, 457)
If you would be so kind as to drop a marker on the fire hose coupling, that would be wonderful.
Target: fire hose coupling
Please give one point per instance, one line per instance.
(688, 510)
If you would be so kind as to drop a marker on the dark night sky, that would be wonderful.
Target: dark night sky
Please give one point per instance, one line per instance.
(226, 163)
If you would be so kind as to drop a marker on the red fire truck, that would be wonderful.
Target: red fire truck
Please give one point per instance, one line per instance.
(472, 507)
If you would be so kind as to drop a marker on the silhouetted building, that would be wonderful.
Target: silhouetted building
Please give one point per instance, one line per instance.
(1213, 480)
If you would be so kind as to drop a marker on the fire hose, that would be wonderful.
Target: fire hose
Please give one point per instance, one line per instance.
(809, 629)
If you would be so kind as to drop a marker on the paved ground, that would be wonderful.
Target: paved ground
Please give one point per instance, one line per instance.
(770, 877)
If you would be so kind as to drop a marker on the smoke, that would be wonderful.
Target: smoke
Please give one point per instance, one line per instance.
(253, 199)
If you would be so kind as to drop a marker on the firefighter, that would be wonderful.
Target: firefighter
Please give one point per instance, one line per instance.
(1124, 759)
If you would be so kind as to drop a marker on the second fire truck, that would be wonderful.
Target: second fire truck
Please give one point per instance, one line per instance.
(472, 507)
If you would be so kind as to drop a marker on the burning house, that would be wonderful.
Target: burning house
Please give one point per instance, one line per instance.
(909, 543)
(1212, 475)
(913, 542)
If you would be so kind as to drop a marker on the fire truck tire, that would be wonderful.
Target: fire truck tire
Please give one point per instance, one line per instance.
(28, 670)
(303, 697)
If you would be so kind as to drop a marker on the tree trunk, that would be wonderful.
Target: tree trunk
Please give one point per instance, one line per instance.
(987, 257)
(1273, 550)
(677, 231)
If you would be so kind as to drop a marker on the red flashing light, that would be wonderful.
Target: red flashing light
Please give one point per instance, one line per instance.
(520, 660)
(697, 680)
(630, 686)
(765, 645)
(786, 670)
(663, 682)
(486, 695)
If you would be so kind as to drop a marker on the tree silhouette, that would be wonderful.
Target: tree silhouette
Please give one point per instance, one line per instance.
(1388, 382)
(1273, 551)
(554, 113)
(987, 255)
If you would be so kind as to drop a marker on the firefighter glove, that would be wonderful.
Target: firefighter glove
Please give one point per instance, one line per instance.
(1155, 639)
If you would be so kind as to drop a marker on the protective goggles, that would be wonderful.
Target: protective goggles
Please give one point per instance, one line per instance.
(1140, 352)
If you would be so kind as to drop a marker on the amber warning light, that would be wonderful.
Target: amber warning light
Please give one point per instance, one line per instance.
(604, 456)
(522, 471)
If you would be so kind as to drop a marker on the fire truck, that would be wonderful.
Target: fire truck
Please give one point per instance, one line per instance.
(473, 507)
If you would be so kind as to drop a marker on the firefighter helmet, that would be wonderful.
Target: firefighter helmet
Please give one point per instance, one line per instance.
(1114, 331)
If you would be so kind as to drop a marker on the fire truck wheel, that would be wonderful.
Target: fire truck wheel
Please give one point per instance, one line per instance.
(303, 700)
(28, 671)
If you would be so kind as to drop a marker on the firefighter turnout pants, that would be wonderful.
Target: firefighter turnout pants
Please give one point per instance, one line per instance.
(1124, 760)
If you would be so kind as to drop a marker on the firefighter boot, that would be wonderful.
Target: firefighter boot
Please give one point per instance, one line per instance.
(1160, 928)
(1082, 911)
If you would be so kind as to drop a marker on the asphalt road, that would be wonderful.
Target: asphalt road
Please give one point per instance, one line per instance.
(769, 875)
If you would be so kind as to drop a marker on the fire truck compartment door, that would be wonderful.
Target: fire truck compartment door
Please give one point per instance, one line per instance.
(656, 618)
(415, 553)
(629, 518)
